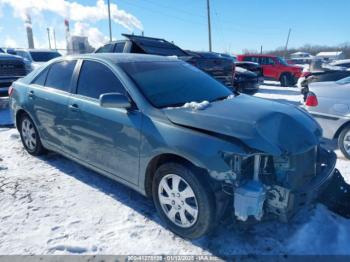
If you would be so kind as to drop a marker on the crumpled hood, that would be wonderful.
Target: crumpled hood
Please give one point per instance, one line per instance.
(264, 125)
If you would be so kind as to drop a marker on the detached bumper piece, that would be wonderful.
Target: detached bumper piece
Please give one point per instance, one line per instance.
(337, 195)
(297, 182)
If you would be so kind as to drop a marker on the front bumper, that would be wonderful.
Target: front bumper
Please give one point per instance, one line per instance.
(309, 193)
(5, 83)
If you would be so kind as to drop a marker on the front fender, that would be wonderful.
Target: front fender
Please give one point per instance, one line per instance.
(201, 149)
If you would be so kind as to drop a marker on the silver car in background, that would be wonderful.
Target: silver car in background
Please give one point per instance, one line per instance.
(35, 58)
(329, 103)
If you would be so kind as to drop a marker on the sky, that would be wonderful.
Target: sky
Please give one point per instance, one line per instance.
(237, 25)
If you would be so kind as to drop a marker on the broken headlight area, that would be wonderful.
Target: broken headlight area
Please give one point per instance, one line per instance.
(267, 186)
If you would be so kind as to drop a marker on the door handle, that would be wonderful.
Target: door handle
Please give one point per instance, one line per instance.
(31, 94)
(74, 107)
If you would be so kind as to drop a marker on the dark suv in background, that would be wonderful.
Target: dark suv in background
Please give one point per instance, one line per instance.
(275, 68)
(221, 68)
(11, 68)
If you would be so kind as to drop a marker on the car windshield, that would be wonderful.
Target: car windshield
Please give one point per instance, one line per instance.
(174, 83)
(344, 81)
(43, 56)
(282, 61)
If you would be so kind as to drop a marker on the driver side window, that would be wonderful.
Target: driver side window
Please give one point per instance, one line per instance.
(96, 79)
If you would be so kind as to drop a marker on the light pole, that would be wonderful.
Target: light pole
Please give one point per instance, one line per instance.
(54, 38)
(286, 48)
(109, 21)
(209, 27)
(48, 36)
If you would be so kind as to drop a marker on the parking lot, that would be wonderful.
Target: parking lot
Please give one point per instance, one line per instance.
(51, 205)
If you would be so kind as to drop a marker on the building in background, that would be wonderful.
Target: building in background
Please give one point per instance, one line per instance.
(330, 56)
(78, 45)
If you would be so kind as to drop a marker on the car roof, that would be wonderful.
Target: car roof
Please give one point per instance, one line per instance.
(38, 50)
(116, 58)
(339, 62)
(259, 55)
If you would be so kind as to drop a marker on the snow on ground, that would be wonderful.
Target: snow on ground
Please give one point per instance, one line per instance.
(50, 205)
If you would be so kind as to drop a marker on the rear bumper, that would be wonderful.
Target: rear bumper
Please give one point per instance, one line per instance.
(247, 86)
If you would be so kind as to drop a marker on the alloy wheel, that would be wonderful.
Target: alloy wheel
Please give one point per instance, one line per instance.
(346, 142)
(29, 134)
(178, 200)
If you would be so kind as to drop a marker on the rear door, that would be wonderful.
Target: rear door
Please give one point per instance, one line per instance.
(48, 98)
(107, 138)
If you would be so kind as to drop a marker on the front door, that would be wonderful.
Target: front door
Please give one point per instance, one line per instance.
(269, 67)
(106, 138)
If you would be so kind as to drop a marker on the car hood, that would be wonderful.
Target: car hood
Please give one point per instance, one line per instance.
(263, 125)
(8, 57)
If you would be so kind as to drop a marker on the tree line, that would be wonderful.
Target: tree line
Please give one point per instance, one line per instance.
(312, 49)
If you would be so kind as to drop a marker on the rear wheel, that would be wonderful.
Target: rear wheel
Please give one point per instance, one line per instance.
(183, 201)
(30, 136)
(344, 142)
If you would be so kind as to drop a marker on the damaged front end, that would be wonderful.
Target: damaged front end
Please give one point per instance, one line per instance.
(277, 187)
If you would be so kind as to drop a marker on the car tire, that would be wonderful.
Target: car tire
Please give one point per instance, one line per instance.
(286, 80)
(344, 141)
(30, 136)
(187, 209)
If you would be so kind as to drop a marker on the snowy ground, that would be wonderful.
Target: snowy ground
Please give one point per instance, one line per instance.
(50, 205)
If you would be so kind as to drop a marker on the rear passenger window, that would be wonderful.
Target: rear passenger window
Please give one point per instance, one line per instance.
(40, 79)
(247, 58)
(60, 75)
(106, 49)
(96, 79)
(119, 47)
(252, 59)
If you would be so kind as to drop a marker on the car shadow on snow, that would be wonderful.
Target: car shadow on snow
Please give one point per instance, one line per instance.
(227, 239)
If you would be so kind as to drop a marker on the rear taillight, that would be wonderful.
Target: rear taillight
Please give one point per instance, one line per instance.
(311, 99)
(10, 91)
(305, 74)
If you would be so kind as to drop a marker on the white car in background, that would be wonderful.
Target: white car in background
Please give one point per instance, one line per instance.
(342, 63)
(329, 103)
(34, 58)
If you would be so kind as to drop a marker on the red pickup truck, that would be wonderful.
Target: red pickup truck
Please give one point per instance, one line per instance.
(275, 68)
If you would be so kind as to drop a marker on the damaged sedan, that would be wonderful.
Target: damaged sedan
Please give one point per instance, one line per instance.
(175, 134)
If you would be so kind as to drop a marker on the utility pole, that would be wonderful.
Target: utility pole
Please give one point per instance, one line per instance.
(209, 27)
(48, 36)
(109, 21)
(285, 50)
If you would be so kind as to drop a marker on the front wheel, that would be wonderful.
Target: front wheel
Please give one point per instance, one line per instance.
(183, 200)
(344, 142)
(30, 136)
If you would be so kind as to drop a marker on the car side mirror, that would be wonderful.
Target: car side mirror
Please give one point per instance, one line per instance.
(114, 100)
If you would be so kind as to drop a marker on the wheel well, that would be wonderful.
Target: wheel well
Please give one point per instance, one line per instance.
(19, 114)
(157, 162)
(336, 136)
